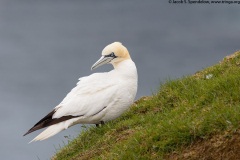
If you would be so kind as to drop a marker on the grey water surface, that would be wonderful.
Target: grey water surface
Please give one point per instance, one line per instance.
(45, 46)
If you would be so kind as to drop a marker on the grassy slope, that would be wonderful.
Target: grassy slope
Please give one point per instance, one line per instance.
(182, 112)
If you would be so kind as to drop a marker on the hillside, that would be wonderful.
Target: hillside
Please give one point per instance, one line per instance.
(195, 117)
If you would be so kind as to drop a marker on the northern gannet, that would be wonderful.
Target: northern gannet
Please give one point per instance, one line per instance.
(97, 98)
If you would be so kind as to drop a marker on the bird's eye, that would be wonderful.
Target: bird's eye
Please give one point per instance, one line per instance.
(111, 55)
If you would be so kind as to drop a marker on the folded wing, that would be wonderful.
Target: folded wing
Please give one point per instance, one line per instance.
(87, 99)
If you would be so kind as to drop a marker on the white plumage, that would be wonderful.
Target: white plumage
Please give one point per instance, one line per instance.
(97, 98)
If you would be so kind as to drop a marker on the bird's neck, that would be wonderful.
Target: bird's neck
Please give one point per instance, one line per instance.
(126, 67)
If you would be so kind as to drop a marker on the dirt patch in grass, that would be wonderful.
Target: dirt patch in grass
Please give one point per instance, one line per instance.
(124, 135)
(217, 147)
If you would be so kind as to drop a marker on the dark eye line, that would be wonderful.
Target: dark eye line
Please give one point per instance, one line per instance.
(111, 55)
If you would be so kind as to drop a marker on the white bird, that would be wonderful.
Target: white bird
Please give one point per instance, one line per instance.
(97, 98)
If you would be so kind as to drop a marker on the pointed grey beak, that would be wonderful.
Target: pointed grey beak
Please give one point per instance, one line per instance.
(103, 60)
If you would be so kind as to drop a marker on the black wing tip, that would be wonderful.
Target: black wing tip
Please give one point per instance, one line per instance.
(37, 125)
(26, 133)
(29, 131)
(48, 121)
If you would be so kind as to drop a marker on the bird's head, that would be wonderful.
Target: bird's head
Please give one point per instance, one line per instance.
(113, 53)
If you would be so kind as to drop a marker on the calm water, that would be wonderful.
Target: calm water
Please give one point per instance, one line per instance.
(45, 46)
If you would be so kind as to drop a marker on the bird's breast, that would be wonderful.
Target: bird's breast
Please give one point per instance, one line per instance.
(122, 99)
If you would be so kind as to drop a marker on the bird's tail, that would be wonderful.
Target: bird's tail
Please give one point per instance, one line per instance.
(49, 132)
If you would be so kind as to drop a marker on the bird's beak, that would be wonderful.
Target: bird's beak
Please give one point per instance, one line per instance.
(103, 60)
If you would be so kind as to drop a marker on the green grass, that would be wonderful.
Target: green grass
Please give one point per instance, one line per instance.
(182, 111)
